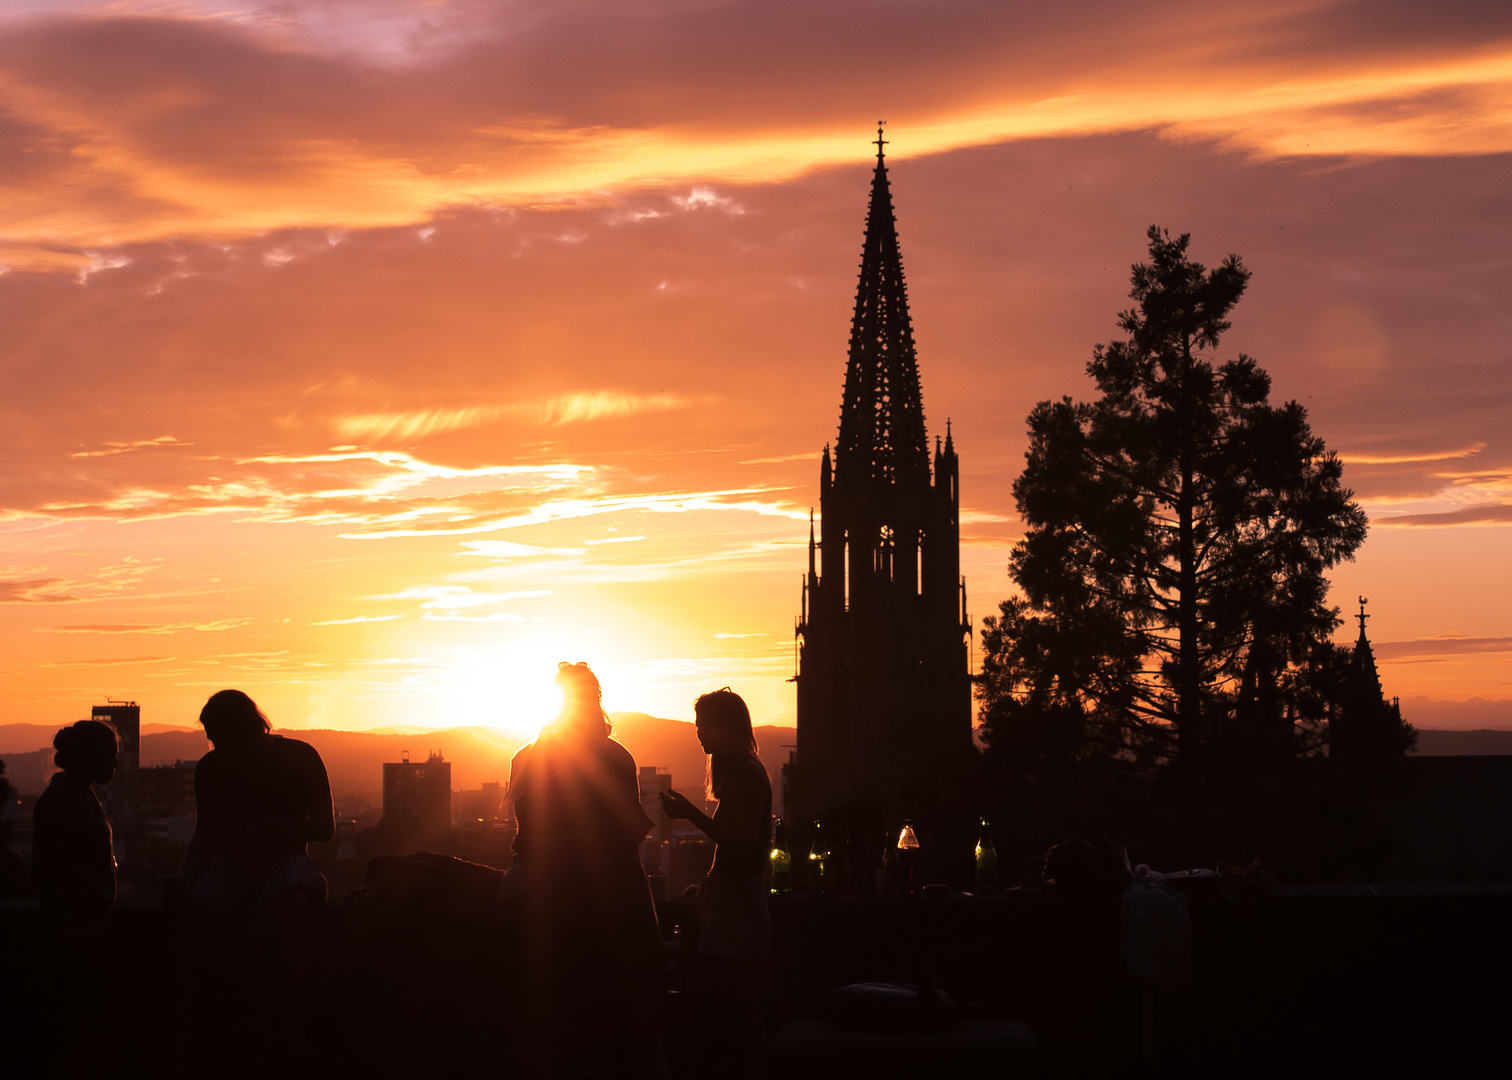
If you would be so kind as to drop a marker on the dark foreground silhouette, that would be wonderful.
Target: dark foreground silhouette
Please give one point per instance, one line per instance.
(250, 897)
(74, 872)
(734, 923)
(592, 948)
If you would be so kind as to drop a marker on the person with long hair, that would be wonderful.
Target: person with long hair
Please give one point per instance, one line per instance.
(592, 943)
(735, 928)
(259, 800)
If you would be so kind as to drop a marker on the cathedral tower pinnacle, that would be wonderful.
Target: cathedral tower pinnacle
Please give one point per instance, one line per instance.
(884, 688)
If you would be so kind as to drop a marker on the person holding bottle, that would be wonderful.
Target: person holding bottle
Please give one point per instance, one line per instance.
(735, 926)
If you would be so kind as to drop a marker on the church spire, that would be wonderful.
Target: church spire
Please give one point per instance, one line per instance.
(1368, 678)
(882, 440)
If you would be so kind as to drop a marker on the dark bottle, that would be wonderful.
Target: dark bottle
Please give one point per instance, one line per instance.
(986, 858)
(820, 864)
(908, 860)
(780, 862)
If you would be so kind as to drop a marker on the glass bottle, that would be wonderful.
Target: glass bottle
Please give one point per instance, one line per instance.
(986, 858)
(908, 860)
(820, 860)
(780, 862)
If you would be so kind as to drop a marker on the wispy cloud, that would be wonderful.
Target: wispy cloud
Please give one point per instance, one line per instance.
(411, 425)
(144, 628)
(1448, 645)
(1362, 458)
(110, 661)
(508, 549)
(37, 591)
(357, 619)
(598, 404)
(1485, 514)
(807, 456)
(561, 409)
(455, 597)
(563, 509)
(101, 583)
(110, 449)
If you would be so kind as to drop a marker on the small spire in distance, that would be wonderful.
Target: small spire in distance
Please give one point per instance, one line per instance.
(879, 141)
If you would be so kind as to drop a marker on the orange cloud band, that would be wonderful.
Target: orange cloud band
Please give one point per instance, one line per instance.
(135, 129)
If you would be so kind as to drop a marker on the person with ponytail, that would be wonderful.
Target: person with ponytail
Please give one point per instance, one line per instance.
(589, 926)
(735, 928)
(73, 863)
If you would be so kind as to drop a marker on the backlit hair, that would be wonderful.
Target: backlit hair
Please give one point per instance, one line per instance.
(725, 710)
(583, 711)
(231, 714)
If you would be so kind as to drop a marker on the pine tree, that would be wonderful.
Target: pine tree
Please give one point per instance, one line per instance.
(1179, 526)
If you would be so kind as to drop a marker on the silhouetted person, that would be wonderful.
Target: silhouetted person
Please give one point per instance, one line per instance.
(735, 928)
(73, 865)
(259, 799)
(74, 871)
(592, 943)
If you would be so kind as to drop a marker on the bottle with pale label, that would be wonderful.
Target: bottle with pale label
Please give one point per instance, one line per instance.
(780, 862)
(986, 858)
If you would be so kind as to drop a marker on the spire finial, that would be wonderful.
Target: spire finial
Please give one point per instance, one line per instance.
(1362, 616)
(879, 141)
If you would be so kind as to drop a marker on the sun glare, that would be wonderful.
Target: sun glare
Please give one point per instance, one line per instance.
(510, 686)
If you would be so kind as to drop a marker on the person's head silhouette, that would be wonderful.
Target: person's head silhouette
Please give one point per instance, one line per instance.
(723, 723)
(231, 718)
(87, 752)
(582, 709)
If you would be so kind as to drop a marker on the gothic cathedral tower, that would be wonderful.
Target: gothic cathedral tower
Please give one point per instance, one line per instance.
(884, 686)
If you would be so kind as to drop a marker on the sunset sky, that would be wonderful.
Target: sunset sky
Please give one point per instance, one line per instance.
(372, 356)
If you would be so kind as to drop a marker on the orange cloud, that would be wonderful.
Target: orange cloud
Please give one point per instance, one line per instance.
(128, 128)
(145, 628)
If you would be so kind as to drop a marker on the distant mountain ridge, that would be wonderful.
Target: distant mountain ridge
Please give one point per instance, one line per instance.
(1482, 742)
(354, 759)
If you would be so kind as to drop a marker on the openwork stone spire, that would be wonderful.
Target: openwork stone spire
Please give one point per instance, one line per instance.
(882, 440)
(884, 678)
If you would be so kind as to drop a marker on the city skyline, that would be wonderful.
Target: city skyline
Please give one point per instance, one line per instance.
(347, 370)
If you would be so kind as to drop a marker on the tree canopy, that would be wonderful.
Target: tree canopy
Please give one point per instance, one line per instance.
(1179, 527)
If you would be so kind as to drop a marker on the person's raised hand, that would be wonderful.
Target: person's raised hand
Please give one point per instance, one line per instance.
(675, 805)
